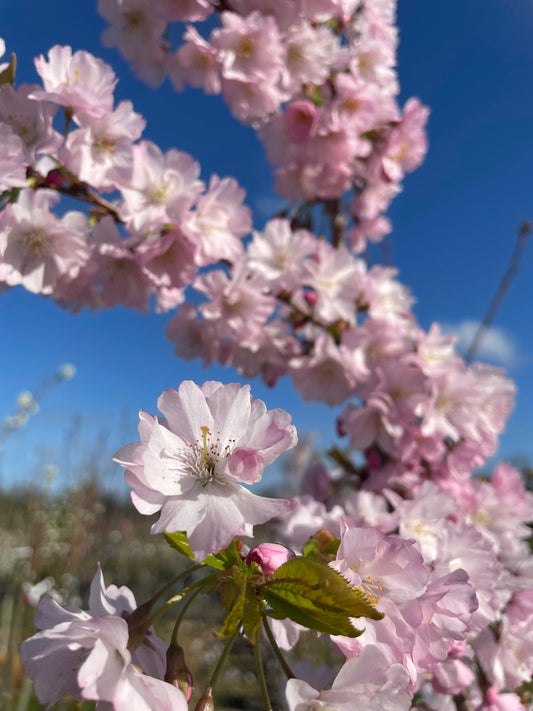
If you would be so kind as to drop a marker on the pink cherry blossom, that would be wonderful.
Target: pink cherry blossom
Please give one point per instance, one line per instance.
(37, 248)
(31, 120)
(237, 307)
(86, 655)
(219, 222)
(78, 80)
(196, 62)
(188, 466)
(381, 565)
(136, 28)
(161, 189)
(249, 48)
(278, 254)
(12, 160)
(101, 151)
(368, 681)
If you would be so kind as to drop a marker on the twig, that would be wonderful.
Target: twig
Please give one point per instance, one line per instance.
(79, 191)
(523, 233)
(336, 220)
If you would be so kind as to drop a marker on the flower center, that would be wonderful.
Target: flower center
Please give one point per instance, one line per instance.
(158, 194)
(245, 47)
(103, 144)
(35, 242)
(204, 458)
(371, 588)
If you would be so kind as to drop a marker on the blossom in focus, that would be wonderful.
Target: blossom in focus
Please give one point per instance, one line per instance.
(189, 465)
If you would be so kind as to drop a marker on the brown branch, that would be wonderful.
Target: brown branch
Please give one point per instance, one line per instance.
(523, 233)
(336, 220)
(77, 190)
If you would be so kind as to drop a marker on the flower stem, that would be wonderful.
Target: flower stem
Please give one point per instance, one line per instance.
(179, 596)
(261, 676)
(279, 656)
(182, 612)
(223, 657)
(175, 580)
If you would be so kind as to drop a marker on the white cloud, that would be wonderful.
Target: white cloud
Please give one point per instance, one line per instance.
(497, 346)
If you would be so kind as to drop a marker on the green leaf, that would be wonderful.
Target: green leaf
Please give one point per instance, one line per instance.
(225, 559)
(234, 597)
(178, 540)
(8, 75)
(314, 595)
(317, 620)
(252, 615)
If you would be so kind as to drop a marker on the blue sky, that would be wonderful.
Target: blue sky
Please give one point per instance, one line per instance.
(454, 225)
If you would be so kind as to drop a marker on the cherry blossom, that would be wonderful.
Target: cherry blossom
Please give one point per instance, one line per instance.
(85, 655)
(368, 680)
(189, 465)
(78, 80)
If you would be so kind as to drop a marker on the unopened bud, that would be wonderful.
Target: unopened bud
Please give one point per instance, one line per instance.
(205, 702)
(269, 556)
(311, 297)
(373, 458)
(178, 673)
(54, 179)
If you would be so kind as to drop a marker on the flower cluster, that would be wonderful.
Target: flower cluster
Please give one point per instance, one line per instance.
(150, 240)
(443, 577)
(316, 79)
(437, 562)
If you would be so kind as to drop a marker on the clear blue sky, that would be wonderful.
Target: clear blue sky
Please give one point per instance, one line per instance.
(454, 224)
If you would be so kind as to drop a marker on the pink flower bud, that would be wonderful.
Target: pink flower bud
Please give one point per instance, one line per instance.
(54, 179)
(311, 297)
(300, 120)
(373, 458)
(269, 556)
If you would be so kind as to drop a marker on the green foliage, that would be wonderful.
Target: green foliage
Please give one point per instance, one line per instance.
(240, 595)
(233, 593)
(314, 595)
(225, 559)
(178, 540)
